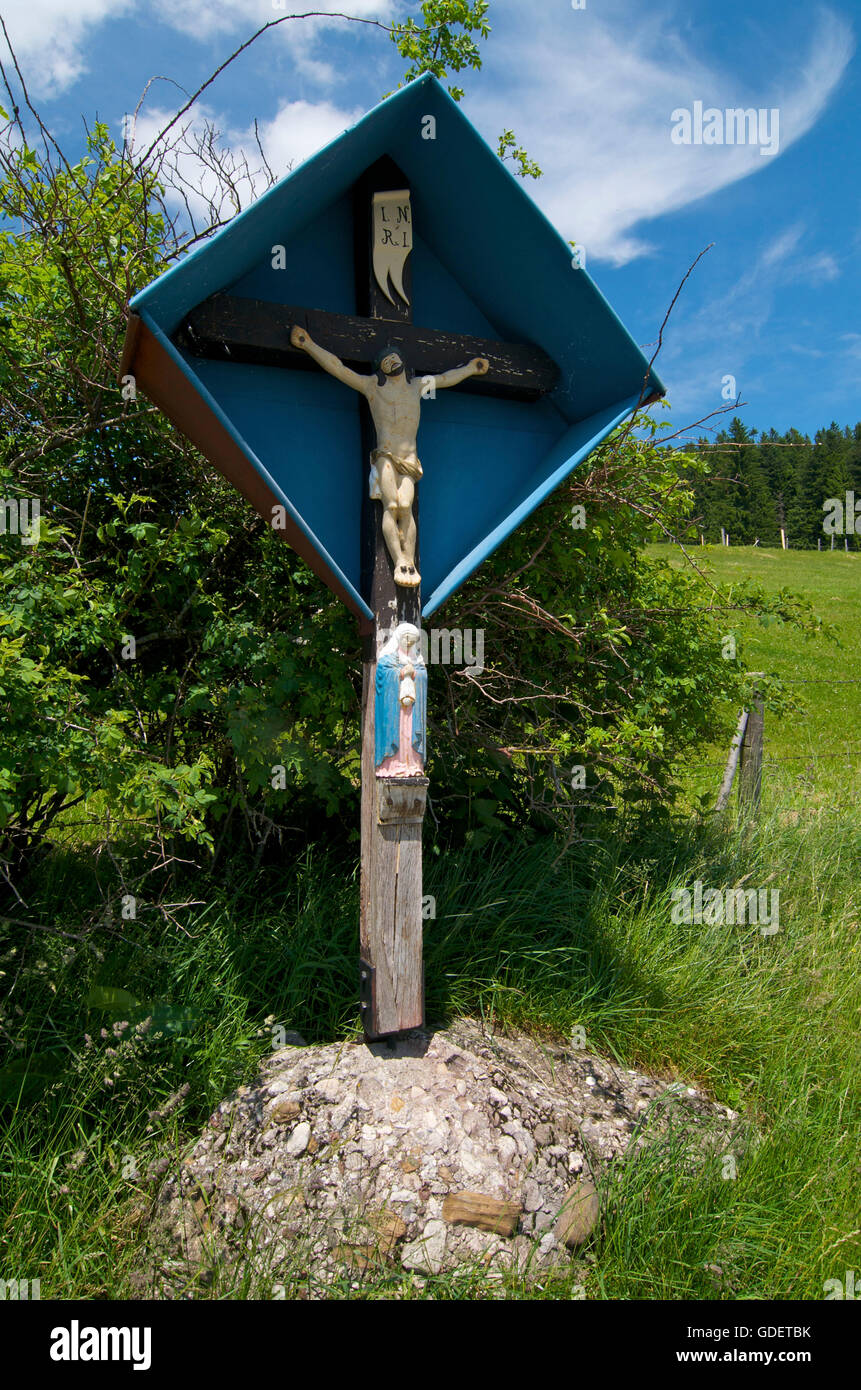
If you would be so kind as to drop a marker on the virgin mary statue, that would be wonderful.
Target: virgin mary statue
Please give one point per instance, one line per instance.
(400, 708)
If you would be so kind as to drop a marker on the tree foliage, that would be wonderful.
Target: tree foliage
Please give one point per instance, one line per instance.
(442, 43)
(760, 482)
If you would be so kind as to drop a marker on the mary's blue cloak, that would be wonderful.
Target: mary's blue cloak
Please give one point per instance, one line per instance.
(387, 710)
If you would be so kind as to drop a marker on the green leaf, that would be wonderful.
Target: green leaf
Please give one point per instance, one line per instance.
(114, 1001)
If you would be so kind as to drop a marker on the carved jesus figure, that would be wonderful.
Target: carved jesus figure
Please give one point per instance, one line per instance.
(394, 399)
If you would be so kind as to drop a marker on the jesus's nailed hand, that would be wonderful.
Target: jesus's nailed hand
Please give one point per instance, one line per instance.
(480, 365)
(298, 337)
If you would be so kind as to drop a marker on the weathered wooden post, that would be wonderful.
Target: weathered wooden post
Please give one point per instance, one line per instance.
(390, 911)
(409, 210)
(750, 765)
(732, 762)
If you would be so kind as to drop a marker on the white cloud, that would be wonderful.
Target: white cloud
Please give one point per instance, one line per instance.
(780, 248)
(241, 18)
(50, 37)
(297, 130)
(203, 21)
(822, 268)
(724, 335)
(300, 128)
(594, 101)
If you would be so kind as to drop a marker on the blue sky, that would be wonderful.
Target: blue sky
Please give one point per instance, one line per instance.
(591, 93)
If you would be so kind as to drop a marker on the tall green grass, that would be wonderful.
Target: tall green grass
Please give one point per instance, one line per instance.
(522, 936)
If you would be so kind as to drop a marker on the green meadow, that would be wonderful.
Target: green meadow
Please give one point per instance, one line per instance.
(812, 754)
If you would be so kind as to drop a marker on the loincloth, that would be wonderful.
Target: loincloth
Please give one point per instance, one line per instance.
(407, 468)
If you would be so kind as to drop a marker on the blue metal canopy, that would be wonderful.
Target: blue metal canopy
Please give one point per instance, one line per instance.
(485, 262)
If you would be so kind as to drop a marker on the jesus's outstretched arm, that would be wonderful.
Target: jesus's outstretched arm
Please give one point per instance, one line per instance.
(477, 367)
(301, 338)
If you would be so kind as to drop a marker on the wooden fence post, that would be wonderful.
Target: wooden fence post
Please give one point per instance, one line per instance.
(750, 764)
(732, 762)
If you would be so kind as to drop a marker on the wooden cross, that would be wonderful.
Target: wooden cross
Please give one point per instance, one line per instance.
(247, 330)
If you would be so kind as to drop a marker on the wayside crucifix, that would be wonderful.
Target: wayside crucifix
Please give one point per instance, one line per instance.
(408, 366)
(206, 342)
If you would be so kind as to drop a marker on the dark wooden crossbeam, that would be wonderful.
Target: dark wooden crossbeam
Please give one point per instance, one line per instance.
(233, 329)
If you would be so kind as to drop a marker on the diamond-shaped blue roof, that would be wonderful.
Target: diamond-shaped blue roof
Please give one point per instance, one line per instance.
(485, 262)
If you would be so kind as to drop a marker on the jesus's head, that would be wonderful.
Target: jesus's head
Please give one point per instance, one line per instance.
(388, 363)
